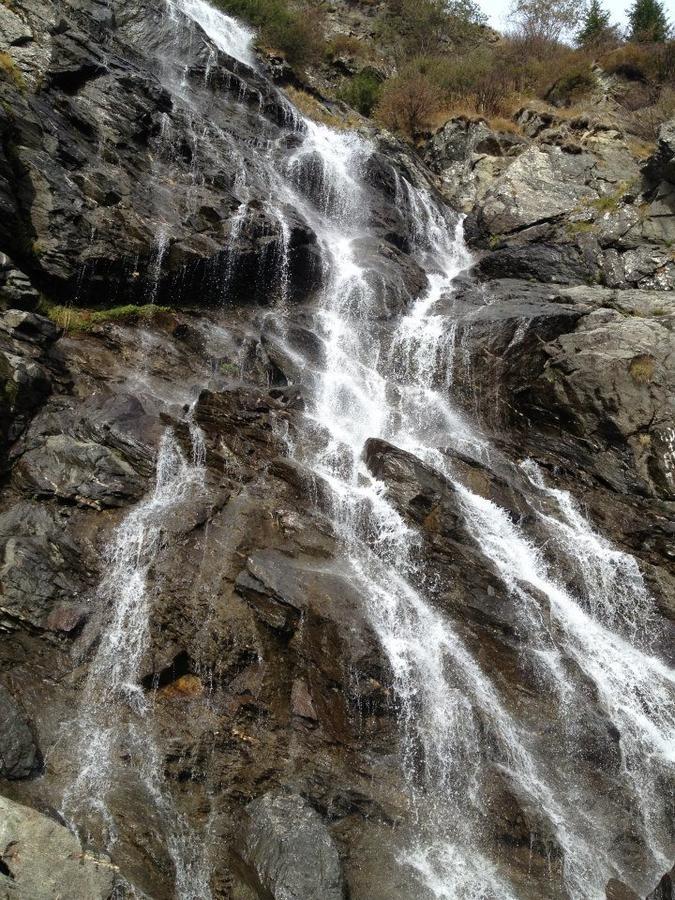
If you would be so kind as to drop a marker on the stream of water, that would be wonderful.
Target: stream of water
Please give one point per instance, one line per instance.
(455, 723)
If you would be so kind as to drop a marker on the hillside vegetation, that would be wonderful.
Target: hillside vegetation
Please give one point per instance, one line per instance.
(412, 64)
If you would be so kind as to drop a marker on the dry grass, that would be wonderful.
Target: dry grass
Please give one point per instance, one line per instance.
(11, 71)
(640, 149)
(468, 111)
(74, 320)
(641, 368)
(348, 45)
(310, 107)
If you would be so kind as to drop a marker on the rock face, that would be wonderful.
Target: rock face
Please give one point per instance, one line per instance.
(40, 857)
(189, 629)
(567, 202)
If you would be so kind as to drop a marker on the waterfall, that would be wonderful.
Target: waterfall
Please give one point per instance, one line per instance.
(455, 723)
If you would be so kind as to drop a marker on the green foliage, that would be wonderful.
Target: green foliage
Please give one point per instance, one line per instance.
(648, 22)
(362, 91)
(596, 31)
(297, 34)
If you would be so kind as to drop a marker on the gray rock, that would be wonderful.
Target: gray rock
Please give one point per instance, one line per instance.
(665, 889)
(80, 471)
(542, 184)
(661, 165)
(41, 575)
(24, 325)
(44, 859)
(19, 755)
(16, 290)
(286, 851)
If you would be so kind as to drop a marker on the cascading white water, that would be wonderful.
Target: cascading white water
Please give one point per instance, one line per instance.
(114, 718)
(455, 723)
(227, 34)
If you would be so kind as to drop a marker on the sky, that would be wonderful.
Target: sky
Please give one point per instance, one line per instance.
(496, 11)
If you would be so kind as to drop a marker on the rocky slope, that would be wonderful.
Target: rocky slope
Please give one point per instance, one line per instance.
(250, 716)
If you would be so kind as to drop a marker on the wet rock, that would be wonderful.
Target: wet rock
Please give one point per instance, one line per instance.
(41, 570)
(19, 754)
(617, 890)
(609, 380)
(286, 852)
(78, 471)
(16, 290)
(41, 856)
(665, 889)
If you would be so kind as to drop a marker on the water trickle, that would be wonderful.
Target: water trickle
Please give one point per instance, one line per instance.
(114, 721)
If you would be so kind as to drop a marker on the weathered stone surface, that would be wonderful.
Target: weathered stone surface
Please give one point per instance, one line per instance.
(19, 755)
(617, 890)
(661, 165)
(665, 889)
(42, 857)
(41, 575)
(286, 851)
(540, 185)
(83, 472)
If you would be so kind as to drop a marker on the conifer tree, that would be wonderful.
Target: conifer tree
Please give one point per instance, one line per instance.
(647, 21)
(596, 30)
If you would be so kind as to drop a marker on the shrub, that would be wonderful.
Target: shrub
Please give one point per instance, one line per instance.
(642, 62)
(576, 83)
(408, 103)
(362, 92)
(644, 123)
(346, 45)
(298, 35)
(471, 79)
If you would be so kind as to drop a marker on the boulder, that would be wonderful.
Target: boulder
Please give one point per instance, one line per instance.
(469, 155)
(286, 852)
(43, 858)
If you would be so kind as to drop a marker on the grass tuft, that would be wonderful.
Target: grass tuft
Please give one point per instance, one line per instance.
(75, 320)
